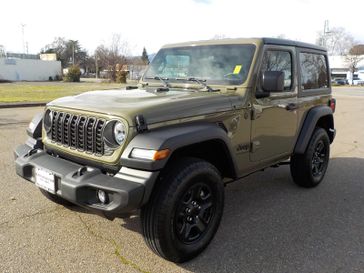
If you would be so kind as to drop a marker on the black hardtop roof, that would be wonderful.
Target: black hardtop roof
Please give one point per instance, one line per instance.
(276, 41)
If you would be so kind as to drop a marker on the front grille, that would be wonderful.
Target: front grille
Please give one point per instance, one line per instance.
(78, 132)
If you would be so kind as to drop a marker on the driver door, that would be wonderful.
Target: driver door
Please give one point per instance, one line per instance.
(274, 120)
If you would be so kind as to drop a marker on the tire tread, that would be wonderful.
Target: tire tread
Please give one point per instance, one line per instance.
(160, 201)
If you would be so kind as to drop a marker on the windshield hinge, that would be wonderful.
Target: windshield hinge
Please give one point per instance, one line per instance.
(141, 125)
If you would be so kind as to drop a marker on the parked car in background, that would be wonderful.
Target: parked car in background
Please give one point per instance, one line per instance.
(357, 81)
(340, 81)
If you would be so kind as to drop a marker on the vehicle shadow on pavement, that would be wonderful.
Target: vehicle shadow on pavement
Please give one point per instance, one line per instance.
(272, 225)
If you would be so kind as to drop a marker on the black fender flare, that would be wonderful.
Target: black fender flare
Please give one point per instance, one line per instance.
(309, 126)
(34, 129)
(34, 132)
(173, 138)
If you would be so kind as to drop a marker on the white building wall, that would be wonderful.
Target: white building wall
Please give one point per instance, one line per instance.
(28, 70)
(340, 62)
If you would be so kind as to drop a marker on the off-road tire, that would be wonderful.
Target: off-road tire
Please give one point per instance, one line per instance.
(56, 199)
(187, 188)
(309, 169)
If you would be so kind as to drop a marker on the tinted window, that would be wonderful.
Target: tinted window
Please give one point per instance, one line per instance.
(275, 60)
(219, 64)
(313, 71)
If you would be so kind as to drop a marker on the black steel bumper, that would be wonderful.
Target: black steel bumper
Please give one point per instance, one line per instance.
(126, 191)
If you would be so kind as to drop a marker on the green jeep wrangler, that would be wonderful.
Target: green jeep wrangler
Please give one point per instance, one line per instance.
(204, 114)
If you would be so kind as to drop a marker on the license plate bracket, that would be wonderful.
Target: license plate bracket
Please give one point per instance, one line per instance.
(44, 179)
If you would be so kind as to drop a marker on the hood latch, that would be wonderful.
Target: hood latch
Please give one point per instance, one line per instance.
(141, 125)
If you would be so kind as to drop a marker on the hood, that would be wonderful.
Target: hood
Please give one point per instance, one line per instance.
(154, 106)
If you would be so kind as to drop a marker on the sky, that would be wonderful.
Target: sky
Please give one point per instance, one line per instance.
(153, 23)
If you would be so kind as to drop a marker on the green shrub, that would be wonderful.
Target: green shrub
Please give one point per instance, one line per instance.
(73, 75)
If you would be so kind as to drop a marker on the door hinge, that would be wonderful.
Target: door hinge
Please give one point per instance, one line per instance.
(254, 146)
(256, 111)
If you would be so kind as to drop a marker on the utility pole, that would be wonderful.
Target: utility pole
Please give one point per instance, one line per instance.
(73, 42)
(73, 52)
(96, 66)
(2, 52)
(22, 34)
(326, 31)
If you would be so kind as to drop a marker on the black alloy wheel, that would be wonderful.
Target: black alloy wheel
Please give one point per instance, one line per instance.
(308, 169)
(194, 213)
(184, 210)
(319, 159)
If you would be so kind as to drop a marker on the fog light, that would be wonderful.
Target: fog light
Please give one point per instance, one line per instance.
(102, 196)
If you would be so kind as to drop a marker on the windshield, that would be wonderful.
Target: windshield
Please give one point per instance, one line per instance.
(216, 64)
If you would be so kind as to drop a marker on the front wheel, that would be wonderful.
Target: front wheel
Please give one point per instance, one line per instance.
(185, 210)
(309, 169)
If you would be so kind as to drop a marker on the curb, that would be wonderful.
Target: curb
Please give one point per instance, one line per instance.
(21, 104)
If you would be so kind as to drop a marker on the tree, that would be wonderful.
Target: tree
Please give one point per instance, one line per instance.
(337, 41)
(89, 64)
(355, 56)
(113, 57)
(145, 58)
(67, 51)
(58, 46)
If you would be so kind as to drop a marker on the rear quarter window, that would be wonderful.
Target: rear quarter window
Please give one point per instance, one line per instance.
(314, 71)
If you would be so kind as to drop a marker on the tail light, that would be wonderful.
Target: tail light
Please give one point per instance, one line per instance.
(332, 104)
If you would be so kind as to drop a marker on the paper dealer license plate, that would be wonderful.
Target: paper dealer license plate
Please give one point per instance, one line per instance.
(45, 180)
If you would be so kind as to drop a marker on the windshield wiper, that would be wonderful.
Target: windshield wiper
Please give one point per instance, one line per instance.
(200, 82)
(163, 80)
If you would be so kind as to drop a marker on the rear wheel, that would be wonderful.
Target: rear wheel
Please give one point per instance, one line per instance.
(309, 169)
(185, 210)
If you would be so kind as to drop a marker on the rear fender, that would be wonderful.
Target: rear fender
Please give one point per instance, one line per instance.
(311, 121)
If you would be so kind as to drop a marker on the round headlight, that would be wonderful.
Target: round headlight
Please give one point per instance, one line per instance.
(119, 132)
(47, 120)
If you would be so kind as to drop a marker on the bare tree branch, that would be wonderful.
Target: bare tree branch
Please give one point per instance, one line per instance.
(337, 41)
(113, 57)
(355, 56)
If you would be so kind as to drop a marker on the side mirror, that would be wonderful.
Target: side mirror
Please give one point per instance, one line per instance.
(273, 81)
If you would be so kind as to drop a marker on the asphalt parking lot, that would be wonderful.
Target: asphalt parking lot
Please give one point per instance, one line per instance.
(269, 224)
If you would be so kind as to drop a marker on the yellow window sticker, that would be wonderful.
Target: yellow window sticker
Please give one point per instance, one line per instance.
(237, 69)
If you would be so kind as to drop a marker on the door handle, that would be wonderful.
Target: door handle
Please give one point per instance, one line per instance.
(291, 106)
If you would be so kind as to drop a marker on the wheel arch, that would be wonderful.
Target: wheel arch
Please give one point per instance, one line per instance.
(213, 151)
(206, 141)
(320, 116)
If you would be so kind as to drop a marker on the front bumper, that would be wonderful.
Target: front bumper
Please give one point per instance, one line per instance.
(127, 190)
